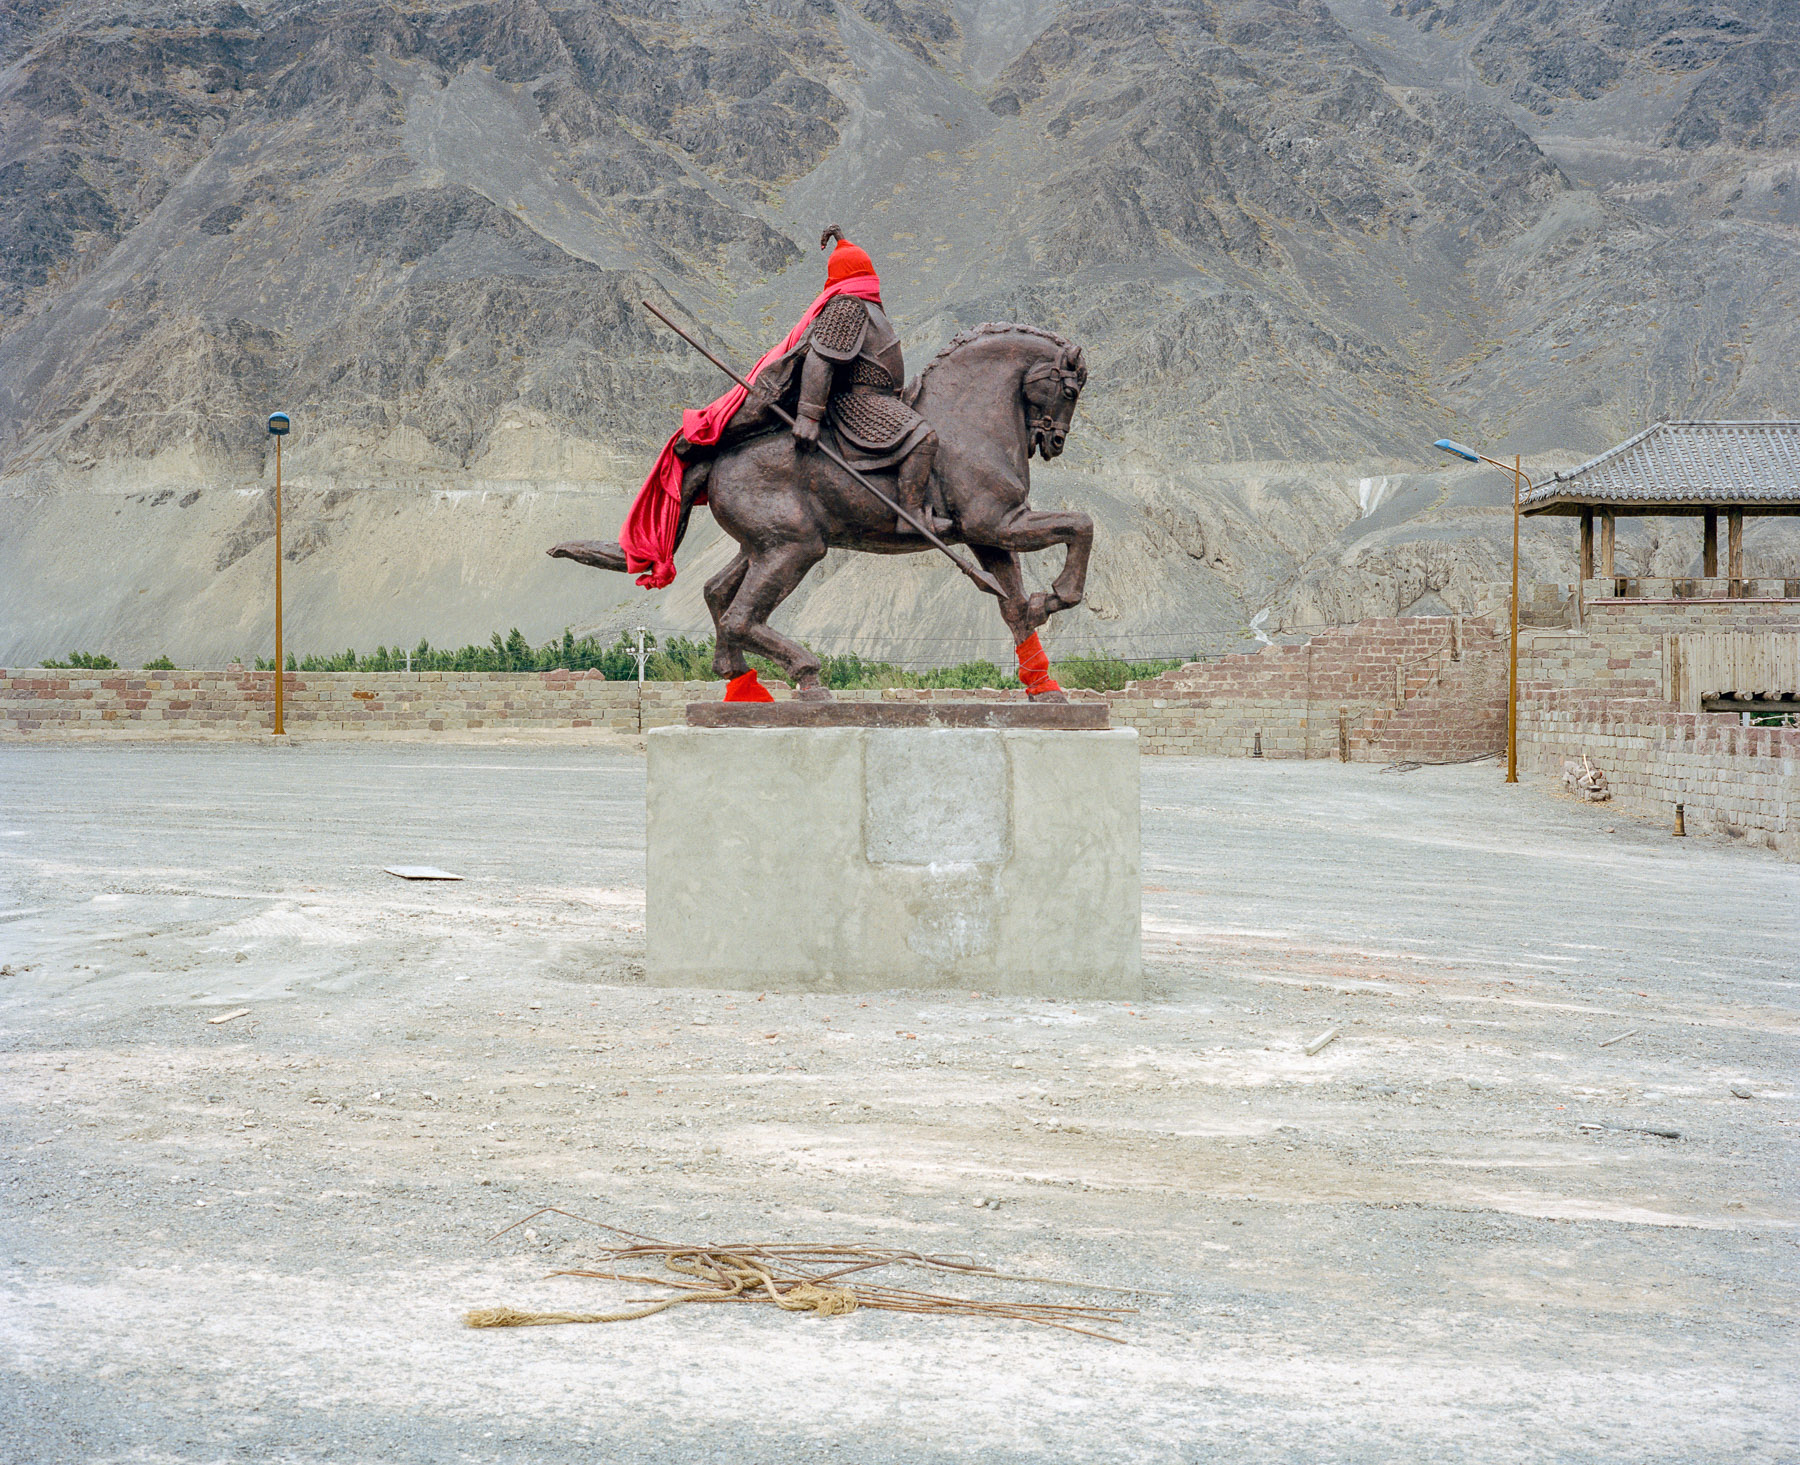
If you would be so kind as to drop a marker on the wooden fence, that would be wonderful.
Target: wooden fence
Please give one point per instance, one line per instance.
(1749, 665)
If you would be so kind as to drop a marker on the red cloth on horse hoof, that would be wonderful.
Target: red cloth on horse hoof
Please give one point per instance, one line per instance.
(747, 689)
(1034, 667)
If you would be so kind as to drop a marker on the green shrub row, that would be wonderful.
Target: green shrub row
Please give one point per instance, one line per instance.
(676, 660)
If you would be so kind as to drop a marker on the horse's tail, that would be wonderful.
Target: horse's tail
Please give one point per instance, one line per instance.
(605, 554)
(602, 554)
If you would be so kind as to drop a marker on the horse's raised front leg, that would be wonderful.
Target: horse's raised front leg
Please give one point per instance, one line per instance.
(770, 578)
(728, 656)
(1022, 615)
(1023, 531)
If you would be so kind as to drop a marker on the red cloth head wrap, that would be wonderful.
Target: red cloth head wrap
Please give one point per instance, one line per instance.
(847, 262)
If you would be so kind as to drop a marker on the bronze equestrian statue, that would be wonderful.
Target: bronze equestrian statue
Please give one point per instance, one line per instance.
(951, 451)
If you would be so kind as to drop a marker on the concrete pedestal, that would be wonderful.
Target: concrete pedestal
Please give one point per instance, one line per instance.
(839, 859)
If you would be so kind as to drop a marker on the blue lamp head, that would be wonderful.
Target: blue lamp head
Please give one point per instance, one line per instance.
(1458, 448)
(278, 424)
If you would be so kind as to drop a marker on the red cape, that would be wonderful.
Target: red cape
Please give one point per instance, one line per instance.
(648, 536)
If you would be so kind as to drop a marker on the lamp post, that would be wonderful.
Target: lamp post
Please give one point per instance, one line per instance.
(1512, 679)
(278, 429)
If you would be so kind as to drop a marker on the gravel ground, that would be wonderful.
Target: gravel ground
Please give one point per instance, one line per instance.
(254, 1240)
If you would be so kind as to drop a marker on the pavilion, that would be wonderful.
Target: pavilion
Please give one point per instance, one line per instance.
(1679, 469)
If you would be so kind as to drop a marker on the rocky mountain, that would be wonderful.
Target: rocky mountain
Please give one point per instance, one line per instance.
(1299, 239)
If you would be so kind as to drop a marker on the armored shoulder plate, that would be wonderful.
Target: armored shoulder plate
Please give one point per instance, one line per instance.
(838, 329)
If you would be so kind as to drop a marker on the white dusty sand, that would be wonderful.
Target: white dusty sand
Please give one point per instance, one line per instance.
(221, 1245)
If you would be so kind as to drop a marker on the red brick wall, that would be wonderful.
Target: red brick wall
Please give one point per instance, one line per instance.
(1426, 688)
(237, 702)
(1431, 689)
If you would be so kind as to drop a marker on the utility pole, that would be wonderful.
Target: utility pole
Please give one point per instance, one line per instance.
(278, 429)
(641, 654)
(1512, 676)
(1462, 450)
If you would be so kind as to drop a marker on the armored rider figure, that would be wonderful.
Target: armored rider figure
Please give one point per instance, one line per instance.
(851, 381)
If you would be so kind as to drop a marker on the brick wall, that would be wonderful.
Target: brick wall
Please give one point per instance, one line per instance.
(1622, 641)
(1605, 691)
(44, 703)
(1431, 689)
(1426, 688)
(222, 703)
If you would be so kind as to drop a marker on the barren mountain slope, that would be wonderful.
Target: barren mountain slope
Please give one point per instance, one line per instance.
(1297, 240)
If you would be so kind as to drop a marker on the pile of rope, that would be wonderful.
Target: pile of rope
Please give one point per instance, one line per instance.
(795, 1277)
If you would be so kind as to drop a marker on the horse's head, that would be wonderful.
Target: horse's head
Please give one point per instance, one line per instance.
(1051, 388)
(989, 372)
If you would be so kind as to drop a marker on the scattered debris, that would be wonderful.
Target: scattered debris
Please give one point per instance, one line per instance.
(229, 1016)
(1585, 781)
(799, 1277)
(1634, 1129)
(420, 872)
(1621, 1038)
(1318, 1044)
(1402, 767)
(1738, 1091)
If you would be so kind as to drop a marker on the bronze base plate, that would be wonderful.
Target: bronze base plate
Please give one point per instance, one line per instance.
(1051, 716)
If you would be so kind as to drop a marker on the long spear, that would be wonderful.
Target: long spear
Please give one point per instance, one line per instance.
(974, 572)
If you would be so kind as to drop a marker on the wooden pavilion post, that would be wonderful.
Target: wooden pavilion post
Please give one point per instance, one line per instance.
(1734, 546)
(1587, 543)
(1709, 545)
(1606, 547)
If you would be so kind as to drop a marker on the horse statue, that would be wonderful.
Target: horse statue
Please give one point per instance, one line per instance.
(995, 395)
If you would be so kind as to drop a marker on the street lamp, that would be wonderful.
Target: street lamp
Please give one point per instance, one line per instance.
(278, 429)
(1461, 450)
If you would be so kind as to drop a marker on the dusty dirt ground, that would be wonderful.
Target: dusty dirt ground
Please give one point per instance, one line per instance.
(255, 1240)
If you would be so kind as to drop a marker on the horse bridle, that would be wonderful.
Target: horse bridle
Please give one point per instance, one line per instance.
(1073, 371)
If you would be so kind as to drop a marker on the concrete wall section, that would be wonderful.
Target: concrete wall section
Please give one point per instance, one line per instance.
(850, 859)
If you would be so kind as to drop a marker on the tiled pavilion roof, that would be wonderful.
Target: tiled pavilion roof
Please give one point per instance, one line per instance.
(1682, 467)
